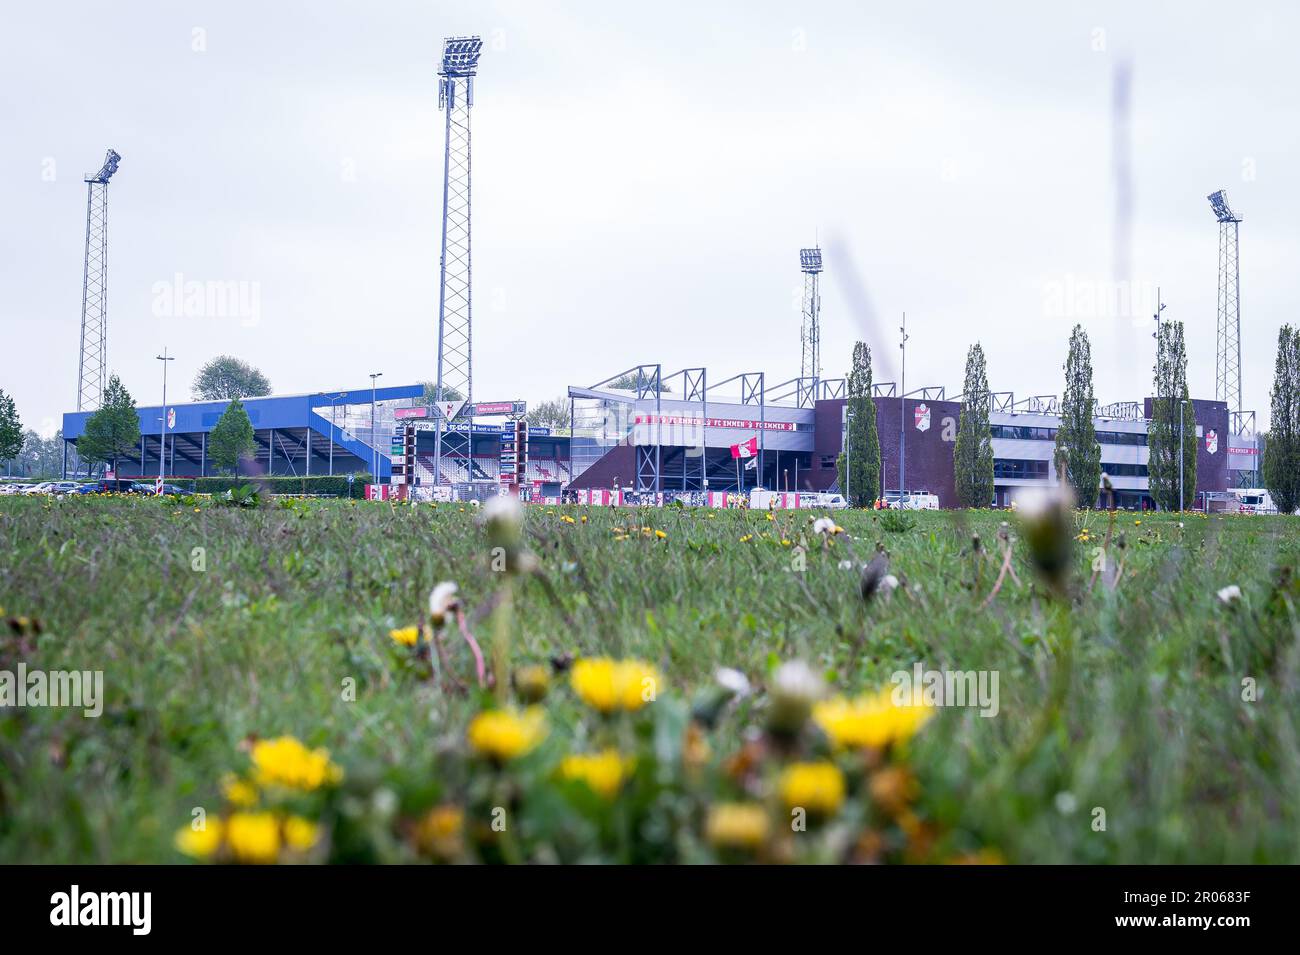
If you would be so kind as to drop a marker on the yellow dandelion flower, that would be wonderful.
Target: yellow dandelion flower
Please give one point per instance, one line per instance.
(771, 516)
(238, 792)
(868, 721)
(660, 534)
(817, 788)
(300, 833)
(737, 825)
(200, 843)
(567, 519)
(747, 538)
(603, 772)
(254, 836)
(606, 685)
(406, 636)
(532, 683)
(287, 762)
(439, 832)
(584, 518)
(505, 734)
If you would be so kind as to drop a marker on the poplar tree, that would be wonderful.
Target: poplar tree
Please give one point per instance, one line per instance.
(1163, 434)
(859, 464)
(1076, 438)
(973, 452)
(1281, 466)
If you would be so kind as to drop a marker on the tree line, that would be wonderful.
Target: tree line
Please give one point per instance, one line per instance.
(1172, 438)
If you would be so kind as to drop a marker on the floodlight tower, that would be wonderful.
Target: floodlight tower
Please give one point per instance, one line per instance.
(93, 366)
(810, 333)
(1227, 378)
(455, 97)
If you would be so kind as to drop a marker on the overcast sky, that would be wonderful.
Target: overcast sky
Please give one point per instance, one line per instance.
(644, 176)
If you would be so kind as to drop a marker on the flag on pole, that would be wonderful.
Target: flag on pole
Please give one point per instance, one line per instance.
(746, 449)
(751, 464)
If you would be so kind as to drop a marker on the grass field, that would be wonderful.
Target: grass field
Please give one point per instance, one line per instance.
(1139, 719)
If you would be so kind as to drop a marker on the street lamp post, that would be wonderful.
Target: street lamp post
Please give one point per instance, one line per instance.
(334, 424)
(162, 426)
(848, 454)
(1160, 380)
(374, 448)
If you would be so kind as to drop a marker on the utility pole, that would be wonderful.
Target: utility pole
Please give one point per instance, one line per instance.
(162, 426)
(374, 448)
(902, 413)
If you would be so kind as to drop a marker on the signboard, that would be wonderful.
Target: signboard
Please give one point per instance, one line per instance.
(922, 416)
(171, 418)
(420, 412)
(485, 408)
(158, 484)
(743, 424)
(1211, 441)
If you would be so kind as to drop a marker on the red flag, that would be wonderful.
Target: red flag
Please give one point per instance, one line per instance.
(746, 449)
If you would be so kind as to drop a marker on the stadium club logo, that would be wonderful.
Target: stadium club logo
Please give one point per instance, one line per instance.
(922, 415)
(1211, 441)
(171, 418)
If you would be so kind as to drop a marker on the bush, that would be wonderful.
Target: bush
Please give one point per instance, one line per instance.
(336, 486)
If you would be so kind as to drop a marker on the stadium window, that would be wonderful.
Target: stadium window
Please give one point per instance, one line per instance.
(1125, 470)
(1019, 469)
(828, 461)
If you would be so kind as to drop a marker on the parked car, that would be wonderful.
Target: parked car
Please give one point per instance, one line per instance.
(65, 487)
(43, 488)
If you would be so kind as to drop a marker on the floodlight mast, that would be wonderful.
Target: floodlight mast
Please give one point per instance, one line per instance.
(1227, 377)
(455, 368)
(810, 332)
(92, 368)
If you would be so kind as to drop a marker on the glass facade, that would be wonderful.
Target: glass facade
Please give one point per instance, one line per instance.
(598, 425)
(1015, 432)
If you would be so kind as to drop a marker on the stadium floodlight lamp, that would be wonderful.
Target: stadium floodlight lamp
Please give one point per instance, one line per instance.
(1222, 211)
(460, 55)
(106, 171)
(810, 260)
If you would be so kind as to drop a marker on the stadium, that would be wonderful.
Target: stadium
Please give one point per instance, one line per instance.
(669, 436)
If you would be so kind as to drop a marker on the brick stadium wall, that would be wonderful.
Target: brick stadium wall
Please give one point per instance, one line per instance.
(929, 455)
(1211, 469)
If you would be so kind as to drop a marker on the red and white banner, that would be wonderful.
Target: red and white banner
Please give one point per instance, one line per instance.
(726, 499)
(1211, 441)
(740, 424)
(600, 497)
(378, 492)
(746, 449)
